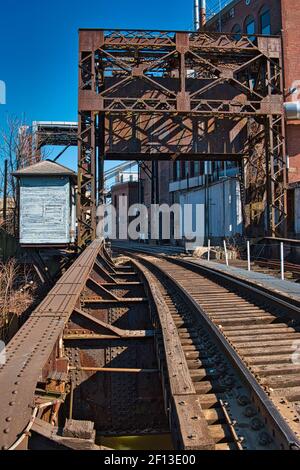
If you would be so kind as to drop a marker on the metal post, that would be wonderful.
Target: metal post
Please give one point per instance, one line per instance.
(282, 260)
(208, 253)
(71, 400)
(249, 255)
(5, 194)
(226, 253)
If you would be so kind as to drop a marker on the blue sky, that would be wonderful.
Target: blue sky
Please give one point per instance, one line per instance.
(38, 48)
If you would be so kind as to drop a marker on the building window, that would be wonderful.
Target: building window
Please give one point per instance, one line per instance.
(250, 27)
(177, 166)
(265, 21)
(186, 170)
(196, 168)
(182, 172)
(237, 31)
(192, 169)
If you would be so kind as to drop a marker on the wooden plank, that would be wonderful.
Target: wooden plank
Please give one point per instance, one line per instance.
(178, 371)
(49, 432)
(192, 426)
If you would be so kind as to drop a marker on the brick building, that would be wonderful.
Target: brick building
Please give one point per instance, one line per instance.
(178, 179)
(271, 17)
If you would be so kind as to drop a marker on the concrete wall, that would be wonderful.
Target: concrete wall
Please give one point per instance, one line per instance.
(129, 190)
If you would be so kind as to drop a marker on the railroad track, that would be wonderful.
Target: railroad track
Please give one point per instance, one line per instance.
(233, 334)
(152, 345)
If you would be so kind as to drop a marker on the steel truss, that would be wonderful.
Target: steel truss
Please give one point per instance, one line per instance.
(149, 95)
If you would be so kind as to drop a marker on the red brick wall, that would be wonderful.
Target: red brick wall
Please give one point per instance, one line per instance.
(285, 17)
(241, 11)
(291, 41)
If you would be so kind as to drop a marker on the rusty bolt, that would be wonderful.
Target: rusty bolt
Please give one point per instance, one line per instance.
(6, 431)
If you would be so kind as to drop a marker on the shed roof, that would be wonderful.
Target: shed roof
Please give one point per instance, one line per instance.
(46, 168)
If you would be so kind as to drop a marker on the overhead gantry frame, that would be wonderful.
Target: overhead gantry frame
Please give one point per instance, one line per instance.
(149, 95)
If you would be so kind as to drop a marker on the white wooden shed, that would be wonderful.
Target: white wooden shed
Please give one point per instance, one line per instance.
(47, 204)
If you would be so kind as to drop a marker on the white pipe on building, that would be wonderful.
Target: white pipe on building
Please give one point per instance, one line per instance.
(282, 260)
(208, 253)
(226, 253)
(196, 15)
(292, 110)
(249, 255)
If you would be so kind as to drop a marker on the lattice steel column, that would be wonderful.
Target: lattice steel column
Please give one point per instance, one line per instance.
(276, 161)
(88, 138)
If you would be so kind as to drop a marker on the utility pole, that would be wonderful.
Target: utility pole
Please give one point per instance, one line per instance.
(5, 193)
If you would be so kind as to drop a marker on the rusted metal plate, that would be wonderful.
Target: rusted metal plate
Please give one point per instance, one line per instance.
(30, 349)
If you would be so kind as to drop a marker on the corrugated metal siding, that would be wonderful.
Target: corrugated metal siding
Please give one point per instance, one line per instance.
(45, 210)
(225, 209)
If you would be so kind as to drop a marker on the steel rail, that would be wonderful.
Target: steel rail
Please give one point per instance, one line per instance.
(291, 439)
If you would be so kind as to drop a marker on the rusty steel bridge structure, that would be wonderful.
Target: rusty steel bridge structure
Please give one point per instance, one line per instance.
(151, 345)
(165, 95)
(147, 343)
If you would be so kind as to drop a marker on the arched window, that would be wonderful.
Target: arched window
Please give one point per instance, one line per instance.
(265, 21)
(250, 27)
(237, 30)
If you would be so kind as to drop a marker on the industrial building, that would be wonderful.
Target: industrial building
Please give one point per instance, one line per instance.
(257, 17)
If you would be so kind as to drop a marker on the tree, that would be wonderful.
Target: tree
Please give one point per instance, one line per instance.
(17, 146)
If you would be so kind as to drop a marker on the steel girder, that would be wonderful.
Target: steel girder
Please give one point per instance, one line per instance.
(159, 94)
